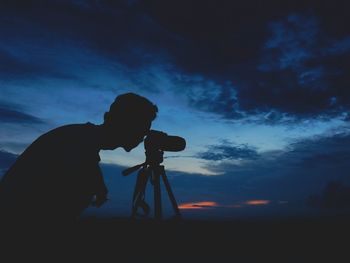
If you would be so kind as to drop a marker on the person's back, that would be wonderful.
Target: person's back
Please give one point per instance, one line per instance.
(54, 178)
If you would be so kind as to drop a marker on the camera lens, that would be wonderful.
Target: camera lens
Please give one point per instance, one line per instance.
(157, 140)
(173, 144)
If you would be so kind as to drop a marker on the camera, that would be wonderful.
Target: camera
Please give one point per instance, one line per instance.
(160, 141)
(155, 144)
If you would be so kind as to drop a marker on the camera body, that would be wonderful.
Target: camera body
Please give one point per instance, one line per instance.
(160, 141)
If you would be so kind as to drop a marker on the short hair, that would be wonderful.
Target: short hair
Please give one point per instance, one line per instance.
(130, 105)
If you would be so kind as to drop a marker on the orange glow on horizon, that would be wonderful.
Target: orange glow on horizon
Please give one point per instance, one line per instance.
(211, 204)
(198, 205)
(257, 202)
(235, 206)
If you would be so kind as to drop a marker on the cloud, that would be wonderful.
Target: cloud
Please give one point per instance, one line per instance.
(229, 151)
(33, 66)
(295, 77)
(331, 151)
(299, 73)
(231, 59)
(293, 174)
(9, 64)
(335, 195)
(14, 115)
(42, 45)
(208, 95)
(292, 42)
(215, 36)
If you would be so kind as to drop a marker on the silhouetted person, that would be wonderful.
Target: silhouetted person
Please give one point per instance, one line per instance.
(58, 175)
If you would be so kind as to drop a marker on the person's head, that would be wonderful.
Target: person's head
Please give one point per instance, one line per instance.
(128, 121)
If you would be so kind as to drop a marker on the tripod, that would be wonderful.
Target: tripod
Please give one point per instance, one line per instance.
(151, 170)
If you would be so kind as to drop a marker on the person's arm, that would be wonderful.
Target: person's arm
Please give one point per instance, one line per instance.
(101, 189)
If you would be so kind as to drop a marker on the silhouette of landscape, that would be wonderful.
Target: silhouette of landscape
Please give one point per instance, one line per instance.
(127, 240)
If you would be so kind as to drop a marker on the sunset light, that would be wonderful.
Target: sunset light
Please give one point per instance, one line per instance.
(257, 202)
(211, 204)
(198, 205)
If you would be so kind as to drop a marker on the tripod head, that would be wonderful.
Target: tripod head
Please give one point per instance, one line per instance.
(155, 144)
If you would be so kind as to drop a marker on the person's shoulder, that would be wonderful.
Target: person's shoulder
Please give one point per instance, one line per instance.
(69, 132)
(71, 128)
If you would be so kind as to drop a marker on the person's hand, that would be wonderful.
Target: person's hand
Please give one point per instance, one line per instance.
(100, 199)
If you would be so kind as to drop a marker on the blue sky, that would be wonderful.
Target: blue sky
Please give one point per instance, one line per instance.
(261, 98)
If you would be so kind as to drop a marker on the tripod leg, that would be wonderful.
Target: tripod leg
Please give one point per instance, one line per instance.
(170, 193)
(134, 211)
(139, 193)
(157, 196)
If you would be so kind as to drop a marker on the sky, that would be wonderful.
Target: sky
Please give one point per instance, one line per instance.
(259, 90)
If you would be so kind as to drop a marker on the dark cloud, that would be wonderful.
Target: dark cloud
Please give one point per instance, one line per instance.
(335, 195)
(279, 60)
(116, 29)
(217, 34)
(210, 96)
(293, 174)
(222, 33)
(11, 114)
(13, 67)
(295, 76)
(228, 151)
(266, 51)
(332, 151)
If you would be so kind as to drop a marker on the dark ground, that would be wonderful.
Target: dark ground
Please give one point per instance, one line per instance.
(125, 240)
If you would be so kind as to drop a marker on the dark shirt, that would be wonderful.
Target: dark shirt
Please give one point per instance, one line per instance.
(56, 177)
